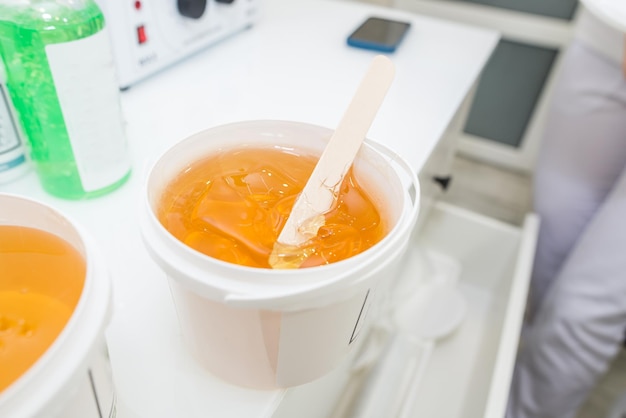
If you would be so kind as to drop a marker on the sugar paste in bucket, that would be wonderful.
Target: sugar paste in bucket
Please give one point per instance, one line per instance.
(233, 205)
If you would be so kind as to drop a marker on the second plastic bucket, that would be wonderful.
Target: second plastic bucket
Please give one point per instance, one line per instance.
(72, 379)
(265, 328)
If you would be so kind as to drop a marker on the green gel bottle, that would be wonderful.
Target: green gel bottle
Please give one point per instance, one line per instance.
(61, 79)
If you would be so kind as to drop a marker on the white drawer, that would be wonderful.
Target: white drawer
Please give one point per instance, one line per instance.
(468, 374)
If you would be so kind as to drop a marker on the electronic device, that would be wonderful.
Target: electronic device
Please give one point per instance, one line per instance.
(379, 34)
(149, 35)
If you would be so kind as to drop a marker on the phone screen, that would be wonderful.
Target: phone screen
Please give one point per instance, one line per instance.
(379, 34)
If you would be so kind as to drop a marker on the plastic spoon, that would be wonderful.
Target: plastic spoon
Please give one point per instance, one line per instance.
(318, 195)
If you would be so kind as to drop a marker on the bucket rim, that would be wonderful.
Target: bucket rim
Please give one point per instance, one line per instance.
(272, 282)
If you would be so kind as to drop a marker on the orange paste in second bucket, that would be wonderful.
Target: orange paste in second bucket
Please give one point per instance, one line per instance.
(233, 205)
(41, 280)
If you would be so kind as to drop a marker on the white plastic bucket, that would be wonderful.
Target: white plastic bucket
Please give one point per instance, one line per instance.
(72, 379)
(265, 328)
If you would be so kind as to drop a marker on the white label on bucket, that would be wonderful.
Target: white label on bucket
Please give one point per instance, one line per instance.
(315, 340)
(95, 397)
(360, 321)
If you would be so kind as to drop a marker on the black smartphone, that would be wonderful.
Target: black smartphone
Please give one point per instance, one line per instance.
(379, 34)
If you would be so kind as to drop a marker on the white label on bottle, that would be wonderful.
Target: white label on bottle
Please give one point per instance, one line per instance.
(84, 77)
(12, 158)
(9, 139)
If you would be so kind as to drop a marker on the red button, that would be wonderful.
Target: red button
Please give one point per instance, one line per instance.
(141, 34)
(138, 5)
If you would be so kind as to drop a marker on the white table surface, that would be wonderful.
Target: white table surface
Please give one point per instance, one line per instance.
(293, 64)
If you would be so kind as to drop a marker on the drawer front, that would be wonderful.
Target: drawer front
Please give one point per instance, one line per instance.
(435, 177)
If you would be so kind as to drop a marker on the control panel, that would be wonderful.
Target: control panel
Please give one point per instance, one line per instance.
(150, 35)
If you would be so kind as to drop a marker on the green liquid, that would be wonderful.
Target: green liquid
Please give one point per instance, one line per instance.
(24, 33)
